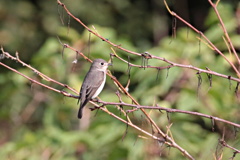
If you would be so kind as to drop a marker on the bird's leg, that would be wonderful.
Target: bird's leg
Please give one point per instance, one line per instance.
(97, 99)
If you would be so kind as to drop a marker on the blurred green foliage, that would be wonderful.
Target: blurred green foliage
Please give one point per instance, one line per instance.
(36, 123)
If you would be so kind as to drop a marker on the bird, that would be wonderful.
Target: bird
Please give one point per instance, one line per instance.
(93, 83)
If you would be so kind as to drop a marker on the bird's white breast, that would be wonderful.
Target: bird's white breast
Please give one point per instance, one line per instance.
(100, 88)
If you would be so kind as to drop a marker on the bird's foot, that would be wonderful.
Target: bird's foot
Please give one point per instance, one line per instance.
(96, 100)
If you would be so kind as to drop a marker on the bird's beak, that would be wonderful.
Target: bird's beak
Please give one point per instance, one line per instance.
(109, 64)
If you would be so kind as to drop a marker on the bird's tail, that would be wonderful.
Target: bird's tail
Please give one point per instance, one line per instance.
(81, 108)
(80, 112)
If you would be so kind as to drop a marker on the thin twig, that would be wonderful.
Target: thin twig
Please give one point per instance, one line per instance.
(170, 110)
(202, 35)
(214, 6)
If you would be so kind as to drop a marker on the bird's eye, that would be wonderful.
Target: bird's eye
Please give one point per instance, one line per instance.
(102, 63)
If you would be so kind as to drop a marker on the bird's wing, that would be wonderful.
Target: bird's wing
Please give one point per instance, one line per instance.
(96, 83)
(88, 90)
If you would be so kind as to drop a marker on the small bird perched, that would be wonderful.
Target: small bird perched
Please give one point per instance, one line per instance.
(93, 83)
